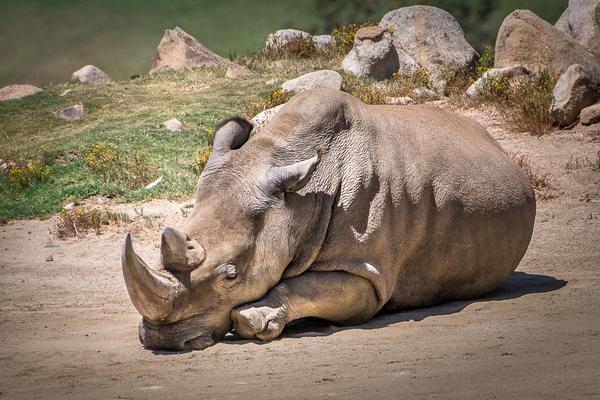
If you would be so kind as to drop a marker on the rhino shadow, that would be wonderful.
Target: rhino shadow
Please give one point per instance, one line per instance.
(518, 284)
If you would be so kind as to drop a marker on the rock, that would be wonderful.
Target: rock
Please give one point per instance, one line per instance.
(178, 49)
(262, 118)
(575, 90)
(526, 39)
(174, 125)
(373, 54)
(313, 80)
(13, 92)
(590, 115)
(236, 71)
(71, 113)
(398, 101)
(323, 42)
(426, 93)
(90, 74)
(432, 37)
(283, 37)
(581, 21)
(507, 72)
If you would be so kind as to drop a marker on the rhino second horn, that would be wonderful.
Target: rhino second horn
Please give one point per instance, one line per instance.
(179, 252)
(152, 292)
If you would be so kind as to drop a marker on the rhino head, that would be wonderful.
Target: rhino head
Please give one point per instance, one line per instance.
(234, 247)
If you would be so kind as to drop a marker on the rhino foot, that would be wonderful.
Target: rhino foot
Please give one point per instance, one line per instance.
(259, 321)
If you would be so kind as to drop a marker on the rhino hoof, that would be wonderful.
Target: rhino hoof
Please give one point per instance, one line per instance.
(262, 323)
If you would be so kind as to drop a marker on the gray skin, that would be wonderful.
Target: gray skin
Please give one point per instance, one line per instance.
(334, 210)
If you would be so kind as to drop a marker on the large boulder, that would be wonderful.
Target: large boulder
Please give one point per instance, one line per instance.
(178, 49)
(313, 80)
(13, 92)
(575, 90)
(283, 37)
(432, 37)
(508, 73)
(323, 42)
(526, 39)
(90, 74)
(581, 20)
(373, 54)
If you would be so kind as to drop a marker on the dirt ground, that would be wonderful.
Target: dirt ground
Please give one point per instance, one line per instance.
(69, 331)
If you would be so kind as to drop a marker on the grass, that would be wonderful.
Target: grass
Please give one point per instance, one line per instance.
(79, 221)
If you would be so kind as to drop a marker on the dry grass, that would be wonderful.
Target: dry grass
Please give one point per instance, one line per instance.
(540, 182)
(583, 162)
(79, 221)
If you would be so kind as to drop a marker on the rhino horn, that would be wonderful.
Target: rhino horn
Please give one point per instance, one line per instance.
(179, 252)
(152, 292)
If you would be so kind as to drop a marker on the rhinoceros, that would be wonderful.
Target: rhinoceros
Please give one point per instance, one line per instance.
(335, 210)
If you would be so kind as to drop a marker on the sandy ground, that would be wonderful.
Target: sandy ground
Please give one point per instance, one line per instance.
(68, 329)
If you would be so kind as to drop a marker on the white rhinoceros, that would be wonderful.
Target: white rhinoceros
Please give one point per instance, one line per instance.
(335, 210)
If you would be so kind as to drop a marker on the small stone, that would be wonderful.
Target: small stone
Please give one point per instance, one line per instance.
(283, 37)
(323, 42)
(174, 125)
(369, 32)
(13, 92)
(590, 115)
(507, 72)
(90, 74)
(69, 206)
(425, 93)
(71, 113)
(66, 92)
(399, 101)
(50, 258)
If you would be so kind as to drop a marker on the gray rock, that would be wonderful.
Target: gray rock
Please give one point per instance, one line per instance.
(178, 49)
(590, 115)
(425, 93)
(399, 101)
(373, 54)
(71, 113)
(313, 80)
(174, 125)
(507, 72)
(13, 92)
(323, 42)
(581, 21)
(90, 74)
(262, 118)
(431, 37)
(526, 39)
(575, 90)
(236, 71)
(283, 37)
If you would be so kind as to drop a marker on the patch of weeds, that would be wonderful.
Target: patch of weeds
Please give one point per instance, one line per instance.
(273, 98)
(344, 35)
(540, 182)
(583, 162)
(366, 90)
(24, 175)
(79, 221)
(201, 159)
(112, 165)
(486, 61)
(298, 47)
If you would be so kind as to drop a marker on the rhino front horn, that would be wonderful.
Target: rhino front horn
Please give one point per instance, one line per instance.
(179, 252)
(152, 292)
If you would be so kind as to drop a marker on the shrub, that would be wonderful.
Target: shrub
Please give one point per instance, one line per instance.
(344, 35)
(26, 174)
(78, 221)
(273, 98)
(486, 61)
(201, 159)
(112, 164)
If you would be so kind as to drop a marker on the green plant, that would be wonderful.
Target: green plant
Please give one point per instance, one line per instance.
(297, 47)
(486, 61)
(26, 174)
(78, 221)
(530, 101)
(344, 35)
(201, 159)
(271, 99)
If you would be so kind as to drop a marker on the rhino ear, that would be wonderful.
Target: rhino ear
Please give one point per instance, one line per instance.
(231, 134)
(293, 177)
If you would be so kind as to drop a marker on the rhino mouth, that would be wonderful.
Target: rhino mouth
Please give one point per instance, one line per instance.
(177, 336)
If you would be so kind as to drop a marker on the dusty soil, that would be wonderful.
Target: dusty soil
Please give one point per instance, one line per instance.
(68, 328)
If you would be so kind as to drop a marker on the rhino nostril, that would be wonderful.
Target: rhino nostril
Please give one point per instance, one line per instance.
(190, 247)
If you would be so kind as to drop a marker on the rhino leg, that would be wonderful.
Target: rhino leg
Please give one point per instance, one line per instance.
(336, 296)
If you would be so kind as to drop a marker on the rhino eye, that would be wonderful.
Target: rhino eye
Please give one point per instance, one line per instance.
(230, 272)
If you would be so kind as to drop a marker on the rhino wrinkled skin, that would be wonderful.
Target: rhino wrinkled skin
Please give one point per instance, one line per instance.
(336, 210)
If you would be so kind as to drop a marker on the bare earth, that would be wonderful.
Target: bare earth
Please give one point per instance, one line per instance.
(69, 331)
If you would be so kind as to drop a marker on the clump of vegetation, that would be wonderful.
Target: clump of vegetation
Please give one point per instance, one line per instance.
(540, 182)
(298, 47)
(114, 165)
(344, 35)
(273, 98)
(201, 159)
(79, 221)
(485, 62)
(24, 175)
(583, 162)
